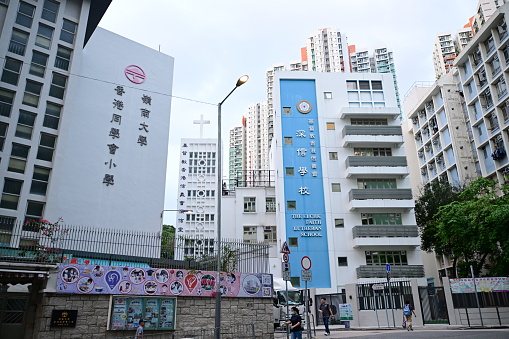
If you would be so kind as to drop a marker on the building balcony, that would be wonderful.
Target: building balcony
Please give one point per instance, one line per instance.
(383, 167)
(380, 198)
(388, 235)
(369, 112)
(378, 271)
(390, 136)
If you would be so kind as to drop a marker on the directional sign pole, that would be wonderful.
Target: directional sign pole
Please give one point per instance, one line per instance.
(376, 310)
(287, 312)
(388, 268)
(306, 304)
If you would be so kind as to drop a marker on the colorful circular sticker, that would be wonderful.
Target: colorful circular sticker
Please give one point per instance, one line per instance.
(162, 276)
(85, 285)
(137, 275)
(251, 284)
(223, 289)
(164, 290)
(179, 275)
(98, 271)
(70, 275)
(208, 282)
(125, 287)
(176, 287)
(150, 287)
(230, 278)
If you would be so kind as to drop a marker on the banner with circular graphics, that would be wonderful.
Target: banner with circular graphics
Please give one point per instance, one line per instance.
(98, 279)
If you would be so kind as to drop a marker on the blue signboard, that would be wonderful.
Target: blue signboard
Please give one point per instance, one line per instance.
(306, 228)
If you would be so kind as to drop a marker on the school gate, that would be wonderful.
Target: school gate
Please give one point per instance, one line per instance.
(433, 305)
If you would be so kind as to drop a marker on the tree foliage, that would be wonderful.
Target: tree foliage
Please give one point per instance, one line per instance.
(168, 242)
(433, 196)
(473, 227)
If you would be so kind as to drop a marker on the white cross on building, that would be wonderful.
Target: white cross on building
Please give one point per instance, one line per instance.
(201, 122)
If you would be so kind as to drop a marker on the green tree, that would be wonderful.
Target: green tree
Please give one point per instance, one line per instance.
(475, 228)
(432, 197)
(168, 242)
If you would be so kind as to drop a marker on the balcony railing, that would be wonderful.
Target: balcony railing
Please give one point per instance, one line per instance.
(397, 271)
(381, 194)
(362, 161)
(385, 231)
(372, 130)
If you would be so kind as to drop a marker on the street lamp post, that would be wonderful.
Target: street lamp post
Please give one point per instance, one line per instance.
(219, 194)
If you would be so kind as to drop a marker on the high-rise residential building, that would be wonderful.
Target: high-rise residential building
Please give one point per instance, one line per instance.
(446, 48)
(482, 79)
(342, 185)
(484, 10)
(327, 51)
(197, 197)
(257, 141)
(237, 153)
(458, 128)
(84, 118)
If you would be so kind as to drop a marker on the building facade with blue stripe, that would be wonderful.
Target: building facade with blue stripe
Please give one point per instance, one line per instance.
(343, 186)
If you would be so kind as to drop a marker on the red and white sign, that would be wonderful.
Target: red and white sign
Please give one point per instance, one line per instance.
(286, 257)
(135, 74)
(305, 263)
(285, 249)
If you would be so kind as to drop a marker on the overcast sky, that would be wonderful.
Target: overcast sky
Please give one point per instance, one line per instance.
(215, 42)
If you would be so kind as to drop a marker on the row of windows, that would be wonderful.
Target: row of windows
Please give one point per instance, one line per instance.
(12, 191)
(202, 155)
(26, 122)
(25, 18)
(18, 45)
(201, 193)
(199, 217)
(19, 152)
(32, 95)
(251, 234)
(250, 204)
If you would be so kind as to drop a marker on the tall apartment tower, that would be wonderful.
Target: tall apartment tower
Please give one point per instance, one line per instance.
(327, 51)
(342, 185)
(482, 79)
(257, 140)
(446, 48)
(84, 118)
(237, 156)
(485, 9)
(197, 196)
(458, 128)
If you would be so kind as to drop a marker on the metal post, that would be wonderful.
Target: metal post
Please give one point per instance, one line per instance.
(390, 302)
(376, 310)
(287, 312)
(386, 312)
(476, 295)
(306, 304)
(219, 195)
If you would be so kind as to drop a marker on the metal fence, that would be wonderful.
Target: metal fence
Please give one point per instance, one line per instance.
(486, 299)
(368, 298)
(239, 331)
(40, 242)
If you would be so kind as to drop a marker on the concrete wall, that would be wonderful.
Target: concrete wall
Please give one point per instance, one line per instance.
(192, 313)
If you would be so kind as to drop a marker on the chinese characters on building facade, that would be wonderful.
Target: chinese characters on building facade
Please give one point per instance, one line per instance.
(120, 110)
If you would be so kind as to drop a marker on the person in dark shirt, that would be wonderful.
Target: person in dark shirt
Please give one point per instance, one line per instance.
(326, 312)
(296, 321)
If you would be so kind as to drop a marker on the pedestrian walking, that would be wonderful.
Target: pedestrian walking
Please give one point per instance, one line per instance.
(326, 312)
(296, 322)
(139, 330)
(408, 310)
